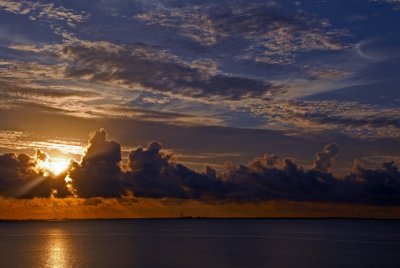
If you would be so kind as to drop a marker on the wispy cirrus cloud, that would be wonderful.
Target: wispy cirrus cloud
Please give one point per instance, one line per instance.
(396, 3)
(266, 34)
(329, 116)
(148, 68)
(56, 87)
(46, 11)
(233, 63)
(140, 68)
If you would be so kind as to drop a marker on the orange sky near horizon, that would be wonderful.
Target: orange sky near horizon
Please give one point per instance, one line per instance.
(99, 208)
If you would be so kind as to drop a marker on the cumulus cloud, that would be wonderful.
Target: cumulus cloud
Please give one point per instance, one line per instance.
(102, 150)
(324, 159)
(99, 173)
(378, 186)
(154, 173)
(21, 177)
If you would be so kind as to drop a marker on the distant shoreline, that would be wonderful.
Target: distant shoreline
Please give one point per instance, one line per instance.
(199, 218)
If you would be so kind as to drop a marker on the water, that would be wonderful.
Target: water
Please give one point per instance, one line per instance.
(201, 243)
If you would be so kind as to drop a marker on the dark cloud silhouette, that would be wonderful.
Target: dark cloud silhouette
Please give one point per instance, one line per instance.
(153, 173)
(20, 179)
(102, 150)
(325, 158)
(283, 180)
(377, 186)
(99, 173)
(41, 155)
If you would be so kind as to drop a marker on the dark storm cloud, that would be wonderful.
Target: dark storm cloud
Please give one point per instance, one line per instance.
(153, 173)
(153, 69)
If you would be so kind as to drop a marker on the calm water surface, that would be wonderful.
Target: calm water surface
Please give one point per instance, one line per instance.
(201, 243)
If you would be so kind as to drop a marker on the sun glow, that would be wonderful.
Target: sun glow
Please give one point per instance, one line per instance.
(58, 165)
(53, 166)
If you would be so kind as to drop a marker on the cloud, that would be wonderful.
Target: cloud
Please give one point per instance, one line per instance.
(379, 186)
(153, 173)
(25, 84)
(316, 73)
(148, 68)
(151, 115)
(22, 177)
(102, 79)
(388, 1)
(102, 150)
(49, 11)
(25, 47)
(25, 80)
(267, 33)
(19, 92)
(396, 3)
(113, 74)
(324, 159)
(98, 174)
(327, 116)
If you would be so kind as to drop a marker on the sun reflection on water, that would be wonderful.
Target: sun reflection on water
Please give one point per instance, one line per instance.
(57, 249)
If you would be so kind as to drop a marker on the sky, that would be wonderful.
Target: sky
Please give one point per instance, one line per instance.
(169, 108)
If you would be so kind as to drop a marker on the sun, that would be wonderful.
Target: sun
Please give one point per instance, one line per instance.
(58, 165)
(50, 166)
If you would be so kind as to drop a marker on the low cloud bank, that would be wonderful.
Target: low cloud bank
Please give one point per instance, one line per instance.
(153, 173)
